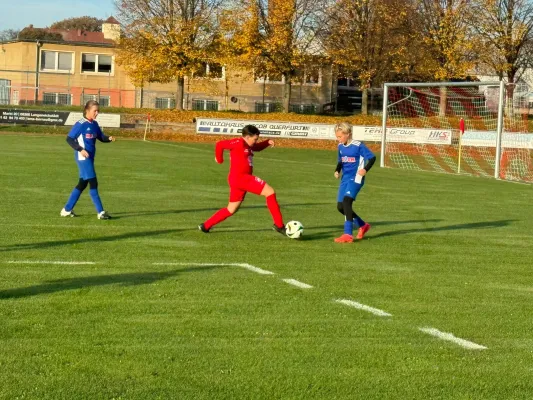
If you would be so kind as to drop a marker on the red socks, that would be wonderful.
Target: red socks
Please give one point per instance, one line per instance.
(217, 218)
(273, 207)
(223, 213)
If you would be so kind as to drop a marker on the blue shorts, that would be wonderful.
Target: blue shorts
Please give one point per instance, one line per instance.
(86, 167)
(348, 188)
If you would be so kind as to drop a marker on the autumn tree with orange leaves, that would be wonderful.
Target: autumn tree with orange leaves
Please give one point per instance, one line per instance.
(279, 37)
(166, 40)
(368, 39)
(444, 27)
(505, 31)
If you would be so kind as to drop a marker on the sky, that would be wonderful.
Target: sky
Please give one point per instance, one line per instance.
(17, 14)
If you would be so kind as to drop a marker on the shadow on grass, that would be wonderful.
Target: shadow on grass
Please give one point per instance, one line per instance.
(112, 238)
(376, 235)
(455, 227)
(119, 215)
(132, 279)
(333, 228)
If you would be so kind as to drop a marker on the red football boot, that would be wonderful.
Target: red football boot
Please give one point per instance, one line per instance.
(362, 230)
(344, 238)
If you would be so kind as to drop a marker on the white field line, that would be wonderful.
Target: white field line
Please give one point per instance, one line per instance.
(52, 262)
(451, 338)
(354, 304)
(296, 283)
(242, 265)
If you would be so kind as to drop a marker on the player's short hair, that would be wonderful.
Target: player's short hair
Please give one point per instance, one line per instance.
(90, 104)
(250, 130)
(345, 127)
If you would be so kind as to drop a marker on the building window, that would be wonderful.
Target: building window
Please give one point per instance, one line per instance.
(63, 99)
(313, 76)
(346, 82)
(205, 105)
(56, 61)
(97, 63)
(5, 89)
(165, 102)
(270, 78)
(104, 101)
(302, 108)
(308, 76)
(210, 70)
(267, 107)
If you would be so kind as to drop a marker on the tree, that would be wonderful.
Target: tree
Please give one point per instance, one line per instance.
(9, 34)
(166, 40)
(31, 33)
(279, 37)
(444, 28)
(230, 49)
(89, 24)
(369, 39)
(505, 29)
(448, 40)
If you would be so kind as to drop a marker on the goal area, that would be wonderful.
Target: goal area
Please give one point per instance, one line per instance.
(470, 128)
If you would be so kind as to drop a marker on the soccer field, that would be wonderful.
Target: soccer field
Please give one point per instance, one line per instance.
(144, 306)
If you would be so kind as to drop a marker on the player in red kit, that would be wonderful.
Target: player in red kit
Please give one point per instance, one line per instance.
(241, 180)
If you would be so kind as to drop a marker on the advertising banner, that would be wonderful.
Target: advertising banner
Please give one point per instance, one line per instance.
(44, 117)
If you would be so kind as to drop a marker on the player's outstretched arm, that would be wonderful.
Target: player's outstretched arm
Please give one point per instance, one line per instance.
(263, 145)
(102, 137)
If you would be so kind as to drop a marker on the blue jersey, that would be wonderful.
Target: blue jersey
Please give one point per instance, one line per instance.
(86, 132)
(353, 156)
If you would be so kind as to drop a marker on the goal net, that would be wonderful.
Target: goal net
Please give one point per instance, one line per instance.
(473, 128)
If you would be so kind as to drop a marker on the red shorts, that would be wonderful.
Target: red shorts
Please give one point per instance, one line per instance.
(240, 185)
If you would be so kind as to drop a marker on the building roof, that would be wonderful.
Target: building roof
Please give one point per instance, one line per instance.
(111, 20)
(77, 35)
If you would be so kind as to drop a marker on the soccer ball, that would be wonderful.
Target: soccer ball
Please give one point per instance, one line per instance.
(294, 229)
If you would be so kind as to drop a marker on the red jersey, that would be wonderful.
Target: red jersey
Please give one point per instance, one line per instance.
(241, 155)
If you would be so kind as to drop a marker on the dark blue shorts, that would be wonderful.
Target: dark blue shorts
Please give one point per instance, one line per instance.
(86, 167)
(349, 188)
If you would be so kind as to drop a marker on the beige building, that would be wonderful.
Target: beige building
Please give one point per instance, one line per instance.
(82, 67)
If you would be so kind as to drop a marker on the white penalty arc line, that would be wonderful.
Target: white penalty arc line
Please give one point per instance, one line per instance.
(359, 306)
(53, 262)
(241, 265)
(296, 283)
(452, 338)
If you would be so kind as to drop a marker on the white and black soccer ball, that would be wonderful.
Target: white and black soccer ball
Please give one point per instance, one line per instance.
(294, 229)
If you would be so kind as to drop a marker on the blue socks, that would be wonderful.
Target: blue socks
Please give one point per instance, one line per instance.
(95, 197)
(358, 221)
(348, 227)
(73, 199)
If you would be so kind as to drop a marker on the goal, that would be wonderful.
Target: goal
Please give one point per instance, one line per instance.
(472, 128)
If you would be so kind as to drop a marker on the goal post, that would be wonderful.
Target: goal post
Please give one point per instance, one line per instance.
(471, 128)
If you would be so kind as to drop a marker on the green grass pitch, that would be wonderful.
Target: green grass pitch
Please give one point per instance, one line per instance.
(141, 317)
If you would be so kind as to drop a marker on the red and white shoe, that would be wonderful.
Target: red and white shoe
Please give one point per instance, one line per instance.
(362, 230)
(344, 238)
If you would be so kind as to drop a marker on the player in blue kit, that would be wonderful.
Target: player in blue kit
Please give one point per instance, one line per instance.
(82, 138)
(354, 160)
